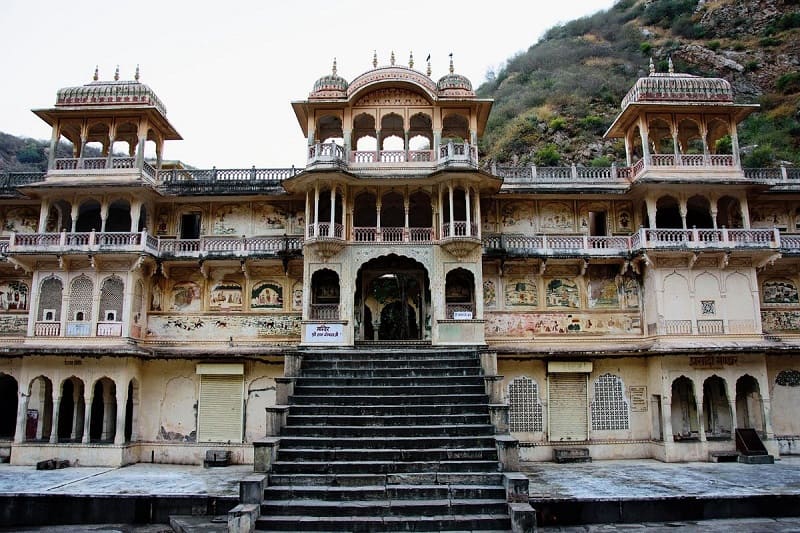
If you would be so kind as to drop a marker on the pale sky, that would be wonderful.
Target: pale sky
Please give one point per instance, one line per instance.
(228, 70)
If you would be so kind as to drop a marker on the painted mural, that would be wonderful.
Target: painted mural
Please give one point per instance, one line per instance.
(557, 216)
(266, 295)
(297, 296)
(489, 217)
(21, 220)
(489, 293)
(186, 297)
(270, 217)
(231, 220)
(519, 216)
(13, 325)
(631, 293)
(521, 291)
(526, 325)
(225, 295)
(768, 216)
(603, 288)
(563, 293)
(13, 295)
(780, 320)
(779, 291)
(624, 211)
(221, 327)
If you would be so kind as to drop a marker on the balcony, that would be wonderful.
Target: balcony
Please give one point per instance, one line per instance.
(324, 312)
(141, 242)
(450, 155)
(681, 327)
(103, 166)
(644, 239)
(10, 182)
(186, 182)
(394, 235)
(325, 238)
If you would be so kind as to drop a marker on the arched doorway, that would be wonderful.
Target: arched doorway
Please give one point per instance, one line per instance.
(9, 397)
(392, 300)
(749, 405)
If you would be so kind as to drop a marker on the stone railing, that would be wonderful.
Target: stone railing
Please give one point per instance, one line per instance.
(452, 153)
(9, 182)
(223, 181)
(645, 238)
(459, 229)
(323, 230)
(324, 312)
(104, 163)
(459, 311)
(142, 242)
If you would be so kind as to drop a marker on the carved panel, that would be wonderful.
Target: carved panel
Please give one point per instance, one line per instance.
(391, 96)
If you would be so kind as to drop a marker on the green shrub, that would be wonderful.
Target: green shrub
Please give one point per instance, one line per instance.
(724, 145)
(770, 41)
(760, 157)
(557, 124)
(713, 45)
(601, 161)
(646, 48)
(547, 156)
(751, 66)
(788, 83)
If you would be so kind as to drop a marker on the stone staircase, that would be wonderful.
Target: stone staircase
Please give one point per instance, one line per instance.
(386, 440)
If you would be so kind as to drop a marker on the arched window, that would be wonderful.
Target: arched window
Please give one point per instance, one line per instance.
(609, 408)
(80, 298)
(50, 296)
(111, 295)
(525, 413)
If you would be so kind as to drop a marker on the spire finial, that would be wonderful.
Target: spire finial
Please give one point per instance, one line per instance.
(451, 63)
(136, 76)
(391, 58)
(333, 70)
(96, 73)
(116, 74)
(411, 59)
(652, 66)
(428, 72)
(374, 59)
(671, 67)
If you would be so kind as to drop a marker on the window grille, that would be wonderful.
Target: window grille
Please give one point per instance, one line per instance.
(111, 299)
(80, 297)
(525, 413)
(609, 408)
(50, 299)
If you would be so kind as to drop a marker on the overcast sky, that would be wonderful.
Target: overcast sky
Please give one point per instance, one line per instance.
(228, 70)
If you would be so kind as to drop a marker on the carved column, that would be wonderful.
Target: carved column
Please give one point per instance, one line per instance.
(87, 414)
(56, 412)
(333, 212)
(122, 400)
(468, 211)
(51, 156)
(22, 415)
(316, 210)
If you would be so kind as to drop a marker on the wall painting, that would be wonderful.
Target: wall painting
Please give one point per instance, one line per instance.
(563, 293)
(266, 295)
(521, 291)
(13, 296)
(779, 291)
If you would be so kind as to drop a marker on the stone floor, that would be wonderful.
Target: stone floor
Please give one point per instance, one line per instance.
(601, 480)
(651, 479)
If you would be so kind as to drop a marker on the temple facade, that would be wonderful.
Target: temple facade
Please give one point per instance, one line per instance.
(150, 311)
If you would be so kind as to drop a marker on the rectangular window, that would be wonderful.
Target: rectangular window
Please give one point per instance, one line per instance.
(597, 224)
(190, 226)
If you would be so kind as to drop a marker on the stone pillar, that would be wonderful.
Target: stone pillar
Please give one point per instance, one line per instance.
(43, 214)
(22, 416)
(55, 418)
(87, 415)
(437, 141)
(74, 214)
(136, 213)
(51, 156)
(676, 147)
(333, 212)
(477, 217)
(450, 200)
(628, 154)
(701, 419)
(119, 433)
(468, 211)
(683, 211)
(666, 415)
(645, 143)
(735, 144)
(103, 216)
(316, 210)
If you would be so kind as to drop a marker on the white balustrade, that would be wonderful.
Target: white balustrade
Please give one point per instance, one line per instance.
(324, 312)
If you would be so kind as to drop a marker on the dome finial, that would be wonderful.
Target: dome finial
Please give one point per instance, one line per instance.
(411, 59)
(652, 66)
(136, 76)
(451, 63)
(428, 72)
(391, 58)
(333, 70)
(374, 59)
(96, 73)
(671, 67)
(116, 74)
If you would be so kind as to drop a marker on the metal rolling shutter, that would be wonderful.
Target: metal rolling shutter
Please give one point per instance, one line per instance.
(220, 410)
(568, 407)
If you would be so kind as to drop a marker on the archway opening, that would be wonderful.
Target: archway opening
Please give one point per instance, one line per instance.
(749, 405)
(9, 396)
(716, 409)
(459, 294)
(102, 424)
(39, 416)
(392, 300)
(71, 411)
(324, 295)
(685, 425)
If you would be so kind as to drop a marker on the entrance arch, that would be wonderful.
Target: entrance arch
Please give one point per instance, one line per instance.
(392, 300)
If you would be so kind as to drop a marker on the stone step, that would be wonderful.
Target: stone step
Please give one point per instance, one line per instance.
(388, 410)
(388, 390)
(382, 492)
(389, 381)
(412, 507)
(390, 443)
(417, 454)
(386, 420)
(302, 522)
(389, 479)
(387, 399)
(382, 467)
(388, 431)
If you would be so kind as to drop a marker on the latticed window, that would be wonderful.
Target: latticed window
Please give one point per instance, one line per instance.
(50, 296)
(80, 298)
(111, 300)
(525, 413)
(138, 297)
(609, 408)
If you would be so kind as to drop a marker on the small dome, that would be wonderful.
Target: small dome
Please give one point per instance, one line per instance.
(330, 86)
(453, 84)
(678, 87)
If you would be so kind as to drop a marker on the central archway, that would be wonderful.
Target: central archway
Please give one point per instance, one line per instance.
(392, 300)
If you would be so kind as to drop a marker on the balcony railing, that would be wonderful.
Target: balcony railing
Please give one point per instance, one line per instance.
(322, 230)
(324, 312)
(109, 329)
(104, 163)
(452, 153)
(47, 329)
(645, 238)
(142, 242)
(459, 311)
(459, 229)
(223, 181)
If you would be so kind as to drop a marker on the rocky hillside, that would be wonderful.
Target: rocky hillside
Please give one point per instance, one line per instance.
(554, 102)
(19, 154)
